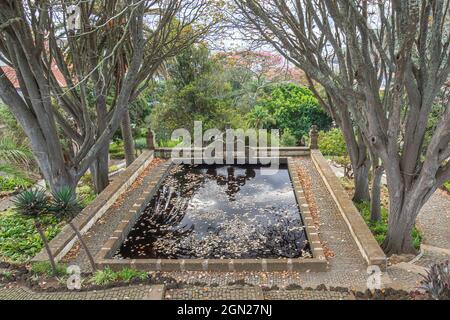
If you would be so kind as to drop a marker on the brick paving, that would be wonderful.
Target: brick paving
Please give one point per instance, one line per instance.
(128, 293)
(223, 293)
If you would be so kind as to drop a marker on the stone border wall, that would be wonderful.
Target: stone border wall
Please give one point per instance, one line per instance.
(65, 240)
(283, 151)
(317, 263)
(368, 246)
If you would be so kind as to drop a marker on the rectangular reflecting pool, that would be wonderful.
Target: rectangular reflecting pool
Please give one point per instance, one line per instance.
(219, 212)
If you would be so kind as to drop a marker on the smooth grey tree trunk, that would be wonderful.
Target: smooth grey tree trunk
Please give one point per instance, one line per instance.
(100, 171)
(127, 135)
(375, 208)
(361, 175)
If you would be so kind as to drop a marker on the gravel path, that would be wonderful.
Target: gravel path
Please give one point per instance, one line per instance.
(434, 221)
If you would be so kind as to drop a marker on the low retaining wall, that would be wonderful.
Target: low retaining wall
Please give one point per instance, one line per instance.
(261, 152)
(65, 240)
(366, 242)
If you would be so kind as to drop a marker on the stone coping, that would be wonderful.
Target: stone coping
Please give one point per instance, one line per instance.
(368, 246)
(317, 263)
(282, 151)
(65, 240)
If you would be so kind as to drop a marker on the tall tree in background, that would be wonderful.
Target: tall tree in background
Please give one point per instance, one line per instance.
(105, 49)
(382, 64)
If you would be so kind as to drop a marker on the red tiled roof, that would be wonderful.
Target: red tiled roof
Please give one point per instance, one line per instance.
(11, 74)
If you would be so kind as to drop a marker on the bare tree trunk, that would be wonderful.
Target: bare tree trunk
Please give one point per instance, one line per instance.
(375, 209)
(361, 173)
(399, 237)
(127, 135)
(100, 171)
(47, 247)
(85, 247)
(404, 207)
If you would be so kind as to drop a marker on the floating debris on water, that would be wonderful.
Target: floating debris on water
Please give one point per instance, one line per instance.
(219, 212)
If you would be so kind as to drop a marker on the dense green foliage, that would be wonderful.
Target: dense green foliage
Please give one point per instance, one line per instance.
(287, 139)
(332, 143)
(14, 183)
(116, 150)
(196, 91)
(290, 107)
(19, 240)
(447, 186)
(380, 229)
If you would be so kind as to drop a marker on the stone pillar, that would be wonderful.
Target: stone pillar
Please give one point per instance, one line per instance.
(314, 138)
(151, 140)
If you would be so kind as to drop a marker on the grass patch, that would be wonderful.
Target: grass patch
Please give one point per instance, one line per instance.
(379, 229)
(45, 268)
(19, 240)
(107, 276)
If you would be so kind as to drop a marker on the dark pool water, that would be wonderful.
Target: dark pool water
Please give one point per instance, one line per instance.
(219, 212)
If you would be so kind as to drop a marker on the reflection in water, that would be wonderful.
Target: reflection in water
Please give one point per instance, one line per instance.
(220, 212)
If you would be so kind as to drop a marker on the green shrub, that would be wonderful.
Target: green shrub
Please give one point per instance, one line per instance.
(106, 276)
(19, 240)
(288, 139)
(14, 183)
(45, 268)
(380, 228)
(116, 150)
(103, 277)
(86, 194)
(128, 275)
(140, 144)
(447, 186)
(332, 143)
(168, 143)
(292, 107)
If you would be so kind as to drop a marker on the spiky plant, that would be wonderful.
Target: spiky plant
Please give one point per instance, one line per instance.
(34, 203)
(65, 205)
(437, 281)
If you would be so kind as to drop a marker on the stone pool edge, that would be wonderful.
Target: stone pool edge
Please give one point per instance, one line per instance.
(317, 263)
(368, 246)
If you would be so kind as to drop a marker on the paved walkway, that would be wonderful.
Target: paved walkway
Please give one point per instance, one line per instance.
(128, 293)
(157, 293)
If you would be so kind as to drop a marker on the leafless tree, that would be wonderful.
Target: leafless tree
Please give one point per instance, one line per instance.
(382, 62)
(106, 52)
